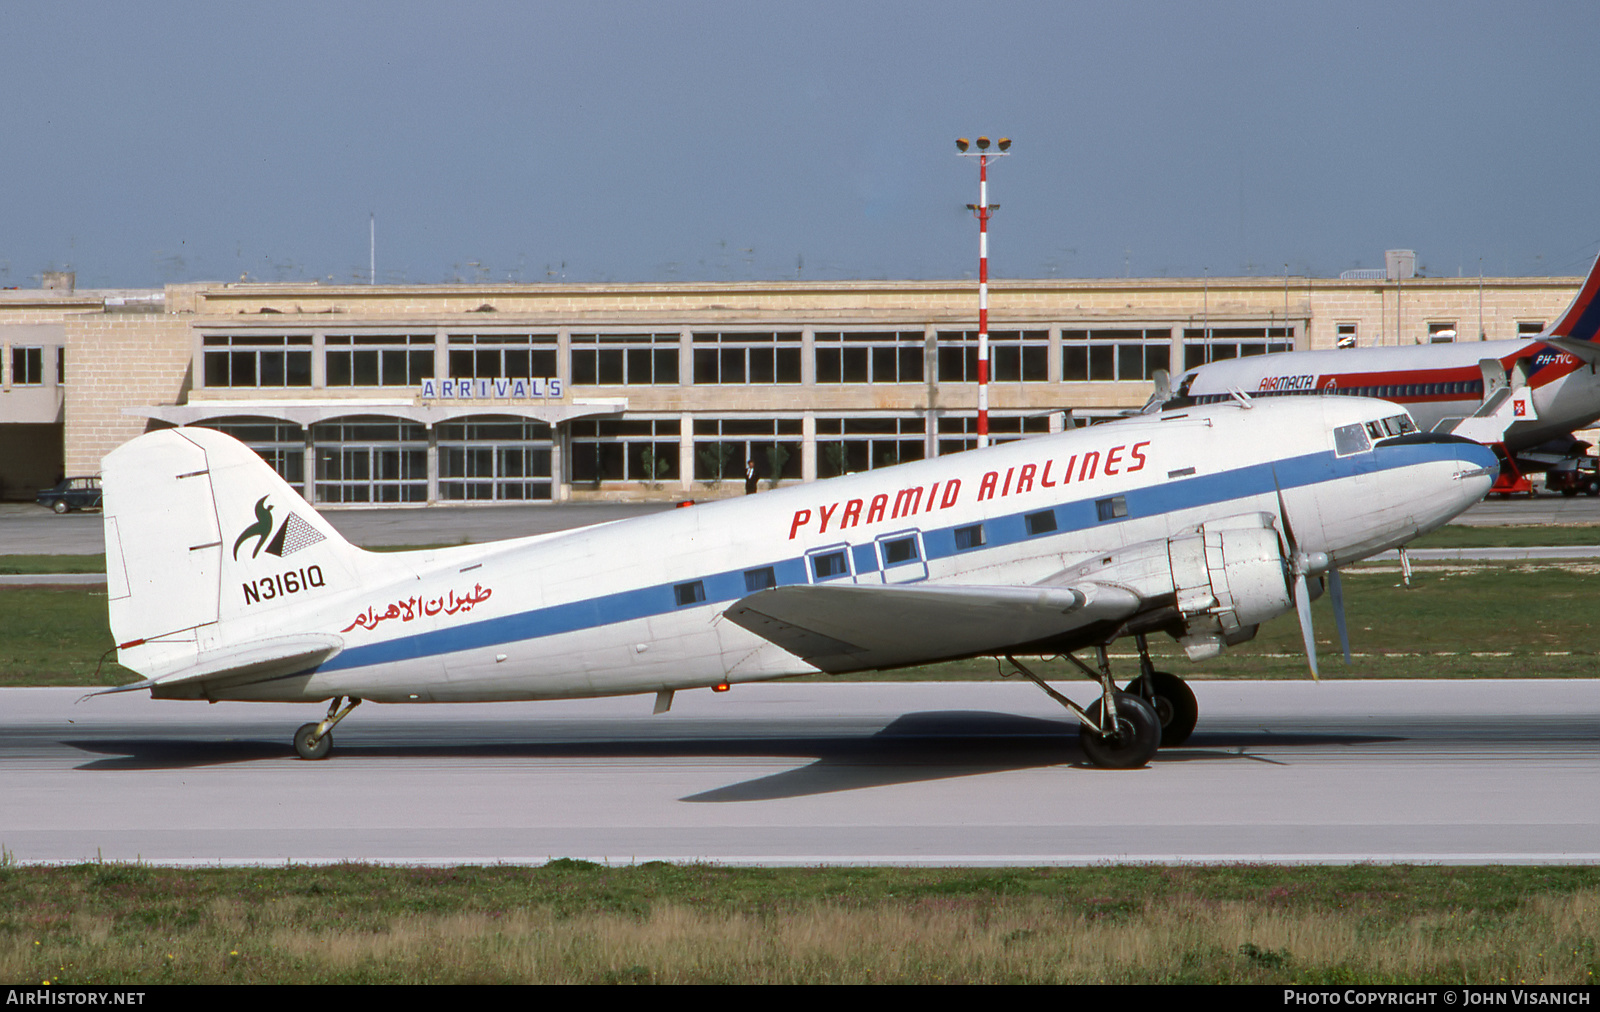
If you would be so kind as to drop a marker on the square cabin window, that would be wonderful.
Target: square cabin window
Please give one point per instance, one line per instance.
(689, 593)
(830, 565)
(900, 551)
(1042, 522)
(760, 579)
(968, 538)
(1114, 508)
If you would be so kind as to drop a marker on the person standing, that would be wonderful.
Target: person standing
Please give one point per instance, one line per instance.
(749, 477)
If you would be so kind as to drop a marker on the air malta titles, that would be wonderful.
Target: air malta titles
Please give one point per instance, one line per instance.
(945, 493)
(1280, 384)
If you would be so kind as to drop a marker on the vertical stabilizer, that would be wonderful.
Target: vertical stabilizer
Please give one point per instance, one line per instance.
(202, 536)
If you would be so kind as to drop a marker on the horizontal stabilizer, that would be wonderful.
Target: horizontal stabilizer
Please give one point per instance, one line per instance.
(844, 627)
(247, 662)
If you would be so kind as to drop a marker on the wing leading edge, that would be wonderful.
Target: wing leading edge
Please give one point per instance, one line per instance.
(845, 627)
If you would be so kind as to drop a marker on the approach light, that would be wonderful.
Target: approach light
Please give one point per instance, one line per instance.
(1005, 144)
(961, 144)
(983, 144)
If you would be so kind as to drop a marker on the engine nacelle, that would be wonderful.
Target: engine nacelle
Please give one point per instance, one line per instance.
(1229, 577)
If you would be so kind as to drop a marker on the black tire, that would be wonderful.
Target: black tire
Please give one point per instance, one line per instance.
(1174, 704)
(1137, 738)
(60, 506)
(1594, 488)
(303, 745)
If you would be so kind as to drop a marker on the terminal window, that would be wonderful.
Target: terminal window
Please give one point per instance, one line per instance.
(379, 361)
(502, 356)
(27, 367)
(1015, 356)
(257, 360)
(1114, 355)
(1214, 344)
(848, 445)
(722, 445)
(752, 357)
(869, 356)
(960, 432)
(624, 359)
(625, 450)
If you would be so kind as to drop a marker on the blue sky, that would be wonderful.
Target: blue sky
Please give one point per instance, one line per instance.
(166, 141)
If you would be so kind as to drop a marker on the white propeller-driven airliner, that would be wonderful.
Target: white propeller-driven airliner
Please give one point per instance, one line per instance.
(1526, 395)
(1198, 523)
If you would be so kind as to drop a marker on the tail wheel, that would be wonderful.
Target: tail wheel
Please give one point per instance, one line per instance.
(1132, 743)
(309, 745)
(1174, 704)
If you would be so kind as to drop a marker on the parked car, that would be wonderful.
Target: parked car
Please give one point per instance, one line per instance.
(1581, 474)
(72, 494)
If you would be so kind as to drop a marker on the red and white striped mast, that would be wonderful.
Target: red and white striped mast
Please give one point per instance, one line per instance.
(982, 210)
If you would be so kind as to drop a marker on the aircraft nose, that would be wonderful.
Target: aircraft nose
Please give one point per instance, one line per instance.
(1471, 472)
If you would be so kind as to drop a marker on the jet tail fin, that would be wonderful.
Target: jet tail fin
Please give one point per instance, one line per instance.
(1581, 321)
(200, 535)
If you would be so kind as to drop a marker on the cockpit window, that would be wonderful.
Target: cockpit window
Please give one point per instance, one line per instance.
(1348, 439)
(1394, 425)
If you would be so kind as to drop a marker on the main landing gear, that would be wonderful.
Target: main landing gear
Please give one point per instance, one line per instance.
(313, 741)
(1122, 730)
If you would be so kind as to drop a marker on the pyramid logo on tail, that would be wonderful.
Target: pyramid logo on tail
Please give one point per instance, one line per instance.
(293, 534)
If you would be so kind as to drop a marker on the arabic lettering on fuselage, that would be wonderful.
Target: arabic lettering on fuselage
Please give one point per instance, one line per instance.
(411, 608)
(943, 494)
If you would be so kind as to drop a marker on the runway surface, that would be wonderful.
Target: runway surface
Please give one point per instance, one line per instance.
(812, 773)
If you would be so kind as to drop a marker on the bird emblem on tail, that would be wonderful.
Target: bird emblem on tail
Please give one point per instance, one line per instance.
(262, 528)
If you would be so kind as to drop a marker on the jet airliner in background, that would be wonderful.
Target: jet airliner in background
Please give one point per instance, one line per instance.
(1198, 523)
(1526, 396)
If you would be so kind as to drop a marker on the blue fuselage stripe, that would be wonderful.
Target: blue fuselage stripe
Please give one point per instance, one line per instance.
(999, 531)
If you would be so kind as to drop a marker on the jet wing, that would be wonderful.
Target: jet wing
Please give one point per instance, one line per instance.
(846, 627)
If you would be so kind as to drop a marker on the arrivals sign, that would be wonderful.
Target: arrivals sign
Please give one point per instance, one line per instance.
(542, 388)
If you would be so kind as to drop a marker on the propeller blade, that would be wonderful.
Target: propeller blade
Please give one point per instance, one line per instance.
(1302, 604)
(1336, 594)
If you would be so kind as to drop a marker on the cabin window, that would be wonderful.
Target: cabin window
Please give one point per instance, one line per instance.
(1042, 522)
(690, 593)
(899, 551)
(830, 565)
(969, 537)
(1114, 508)
(760, 579)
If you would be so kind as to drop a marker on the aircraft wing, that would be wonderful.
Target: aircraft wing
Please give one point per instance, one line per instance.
(847, 627)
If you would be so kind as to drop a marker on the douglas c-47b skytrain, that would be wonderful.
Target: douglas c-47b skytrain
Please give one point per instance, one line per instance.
(1526, 396)
(1200, 523)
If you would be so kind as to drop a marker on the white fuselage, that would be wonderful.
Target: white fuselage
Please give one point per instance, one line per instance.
(1434, 382)
(636, 606)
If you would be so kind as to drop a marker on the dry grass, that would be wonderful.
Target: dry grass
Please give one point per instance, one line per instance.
(1548, 939)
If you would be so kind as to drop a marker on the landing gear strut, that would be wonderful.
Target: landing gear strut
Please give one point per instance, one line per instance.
(313, 741)
(1170, 696)
(1120, 730)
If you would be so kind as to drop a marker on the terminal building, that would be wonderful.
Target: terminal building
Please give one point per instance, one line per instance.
(459, 393)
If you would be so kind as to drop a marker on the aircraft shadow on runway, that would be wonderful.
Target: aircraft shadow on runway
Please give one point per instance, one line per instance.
(917, 747)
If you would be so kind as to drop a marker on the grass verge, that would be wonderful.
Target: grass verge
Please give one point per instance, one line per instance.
(573, 922)
(1466, 620)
